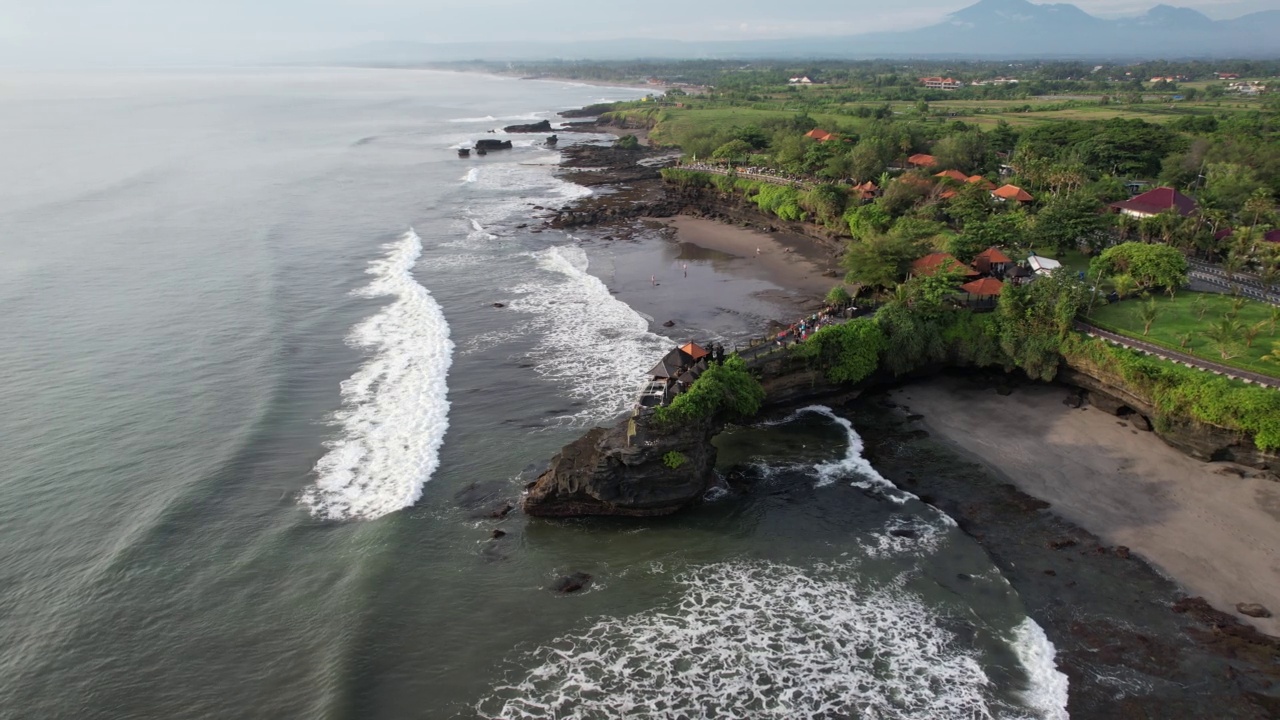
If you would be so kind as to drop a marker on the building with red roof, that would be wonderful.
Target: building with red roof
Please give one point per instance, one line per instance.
(866, 191)
(922, 160)
(990, 260)
(1154, 202)
(934, 263)
(953, 175)
(820, 135)
(984, 287)
(981, 182)
(1005, 193)
(941, 83)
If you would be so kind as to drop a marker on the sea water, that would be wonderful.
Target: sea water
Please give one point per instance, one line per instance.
(251, 358)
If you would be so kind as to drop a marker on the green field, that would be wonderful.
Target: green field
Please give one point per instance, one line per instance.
(1178, 317)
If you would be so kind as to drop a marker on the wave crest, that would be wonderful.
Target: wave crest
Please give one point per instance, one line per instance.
(395, 407)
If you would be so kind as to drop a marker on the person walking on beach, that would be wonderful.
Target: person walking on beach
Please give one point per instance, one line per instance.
(685, 267)
(653, 279)
(757, 252)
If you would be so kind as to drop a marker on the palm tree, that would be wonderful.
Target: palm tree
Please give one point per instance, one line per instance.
(1258, 206)
(1183, 339)
(1237, 304)
(1200, 306)
(1148, 311)
(1275, 315)
(1250, 332)
(1274, 355)
(1232, 264)
(1224, 335)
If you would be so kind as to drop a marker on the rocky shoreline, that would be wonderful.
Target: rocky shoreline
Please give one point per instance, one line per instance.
(1131, 642)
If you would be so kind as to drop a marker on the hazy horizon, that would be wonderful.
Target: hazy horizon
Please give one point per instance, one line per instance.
(151, 32)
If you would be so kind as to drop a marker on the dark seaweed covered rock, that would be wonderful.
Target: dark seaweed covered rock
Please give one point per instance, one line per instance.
(538, 127)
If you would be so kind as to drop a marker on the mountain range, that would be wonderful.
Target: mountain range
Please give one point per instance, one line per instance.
(988, 29)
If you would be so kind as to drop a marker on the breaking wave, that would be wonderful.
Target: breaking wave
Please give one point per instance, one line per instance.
(1048, 689)
(592, 344)
(395, 408)
(758, 640)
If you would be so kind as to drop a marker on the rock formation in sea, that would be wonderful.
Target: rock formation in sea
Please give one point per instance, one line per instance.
(491, 144)
(538, 127)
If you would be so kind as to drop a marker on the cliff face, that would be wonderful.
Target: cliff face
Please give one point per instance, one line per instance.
(602, 473)
(1200, 441)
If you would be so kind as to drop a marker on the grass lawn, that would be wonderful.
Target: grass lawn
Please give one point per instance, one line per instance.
(1178, 317)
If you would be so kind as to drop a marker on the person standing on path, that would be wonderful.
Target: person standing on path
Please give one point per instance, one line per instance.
(685, 267)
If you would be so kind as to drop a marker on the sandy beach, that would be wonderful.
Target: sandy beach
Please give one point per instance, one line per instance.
(1211, 531)
(786, 259)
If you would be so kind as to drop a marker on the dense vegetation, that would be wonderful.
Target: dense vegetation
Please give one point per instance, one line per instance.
(726, 389)
(1118, 132)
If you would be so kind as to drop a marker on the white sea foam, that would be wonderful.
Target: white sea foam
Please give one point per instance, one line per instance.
(395, 408)
(756, 640)
(592, 344)
(1047, 690)
(472, 175)
(853, 465)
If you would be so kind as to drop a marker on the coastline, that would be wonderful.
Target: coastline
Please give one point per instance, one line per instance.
(1145, 592)
(1212, 531)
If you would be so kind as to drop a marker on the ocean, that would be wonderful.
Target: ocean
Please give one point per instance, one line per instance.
(255, 381)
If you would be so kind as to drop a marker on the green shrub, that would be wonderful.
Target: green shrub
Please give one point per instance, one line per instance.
(674, 459)
(849, 351)
(726, 388)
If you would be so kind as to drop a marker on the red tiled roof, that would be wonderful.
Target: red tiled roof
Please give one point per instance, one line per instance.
(985, 286)
(1154, 202)
(979, 180)
(947, 194)
(1012, 192)
(953, 174)
(922, 160)
(993, 255)
(819, 135)
(694, 351)
(933, 262)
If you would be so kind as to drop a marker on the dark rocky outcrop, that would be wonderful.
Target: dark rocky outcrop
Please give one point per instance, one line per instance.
(538, 127)
(571, 583)
(490, 144)
(609, 471)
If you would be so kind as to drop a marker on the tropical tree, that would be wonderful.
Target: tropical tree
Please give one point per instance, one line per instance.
(1200, 305)
(1251, 332)
(1124, 284)
(1148, 311)
(1183, 339)
(1258, 207)
(1274, 355)
(1224, 335)
(1152, 266)
(1275, 316)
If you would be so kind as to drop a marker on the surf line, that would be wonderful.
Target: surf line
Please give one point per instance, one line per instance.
(395, 408)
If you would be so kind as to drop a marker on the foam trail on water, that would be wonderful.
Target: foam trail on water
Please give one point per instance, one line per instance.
(755, 640)
(472, 175)
(593, 344)
(852, 464)
(1048, 689)
(395, 408)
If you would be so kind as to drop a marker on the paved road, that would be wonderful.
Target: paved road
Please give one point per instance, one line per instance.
(1178, 357)
(1217, 280)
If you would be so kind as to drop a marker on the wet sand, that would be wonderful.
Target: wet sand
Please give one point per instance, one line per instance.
(1215, 534)
(791, 261)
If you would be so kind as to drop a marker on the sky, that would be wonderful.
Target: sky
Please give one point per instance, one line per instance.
(123, 32)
